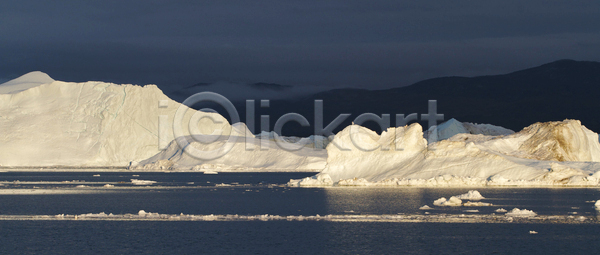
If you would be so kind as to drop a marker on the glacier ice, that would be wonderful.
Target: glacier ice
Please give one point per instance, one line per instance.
(551, 153)
(24, 82)
(54, 123)
(84, 124)
(265, 156)
(453, 127)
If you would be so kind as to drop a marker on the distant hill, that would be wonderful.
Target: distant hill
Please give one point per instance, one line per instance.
(550, 92)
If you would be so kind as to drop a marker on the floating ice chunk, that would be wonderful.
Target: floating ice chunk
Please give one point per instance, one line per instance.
(96, 175)
(532, 232)
(473, 211)
(142, 182)
(424, 217)
(597, 205)
(453, 201)
(471, 195)
(516, 212)
(469, 203)
(108, 186)
(317, 180)
(501, 210)
(81, 186)
(425, 207)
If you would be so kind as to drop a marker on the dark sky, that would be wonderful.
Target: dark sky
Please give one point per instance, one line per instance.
(374, 44)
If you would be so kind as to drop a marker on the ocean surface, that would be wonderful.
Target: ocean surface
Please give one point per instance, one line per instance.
(247, 211)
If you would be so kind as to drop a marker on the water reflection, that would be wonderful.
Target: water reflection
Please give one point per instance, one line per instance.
(544, 201)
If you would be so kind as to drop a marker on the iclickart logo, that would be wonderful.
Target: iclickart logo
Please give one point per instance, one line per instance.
(220, 142)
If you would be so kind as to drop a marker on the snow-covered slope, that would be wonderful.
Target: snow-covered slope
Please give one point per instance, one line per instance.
(87, 124)
(553, 153)
(263, 155)
(26, 81)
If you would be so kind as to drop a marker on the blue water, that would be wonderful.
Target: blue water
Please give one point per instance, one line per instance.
(261, 193)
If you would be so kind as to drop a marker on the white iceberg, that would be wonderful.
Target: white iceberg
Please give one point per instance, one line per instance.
(453, 201)
(425, 207)
(469, 203)
(516, 212)
(551, 153)
(55, 123)
(471, 195)
(142, 182)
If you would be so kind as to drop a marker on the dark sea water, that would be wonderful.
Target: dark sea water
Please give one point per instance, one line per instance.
(263, 193)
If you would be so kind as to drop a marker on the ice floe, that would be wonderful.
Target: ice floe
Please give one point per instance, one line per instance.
(473, 217)
(471, 195)
(425, 207)
(453, 201)
(142, 182)
(516, 212)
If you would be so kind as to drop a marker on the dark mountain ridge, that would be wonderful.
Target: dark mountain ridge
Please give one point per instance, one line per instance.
(550, 92)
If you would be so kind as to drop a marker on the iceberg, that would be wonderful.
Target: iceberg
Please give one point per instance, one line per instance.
(471, 195)
(425, 207)
(516, 212)
(453, 201)
(142, 182)
(96, 124)
(562, 153)
(86, 124)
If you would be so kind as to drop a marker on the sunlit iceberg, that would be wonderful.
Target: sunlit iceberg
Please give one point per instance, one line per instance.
(551, 153)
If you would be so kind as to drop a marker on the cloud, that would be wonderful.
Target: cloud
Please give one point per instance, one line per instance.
(321, 43)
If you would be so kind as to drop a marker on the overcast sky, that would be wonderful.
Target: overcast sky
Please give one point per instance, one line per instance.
(371, 44)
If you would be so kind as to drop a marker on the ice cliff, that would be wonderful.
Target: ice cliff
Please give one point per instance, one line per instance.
(54, 123)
